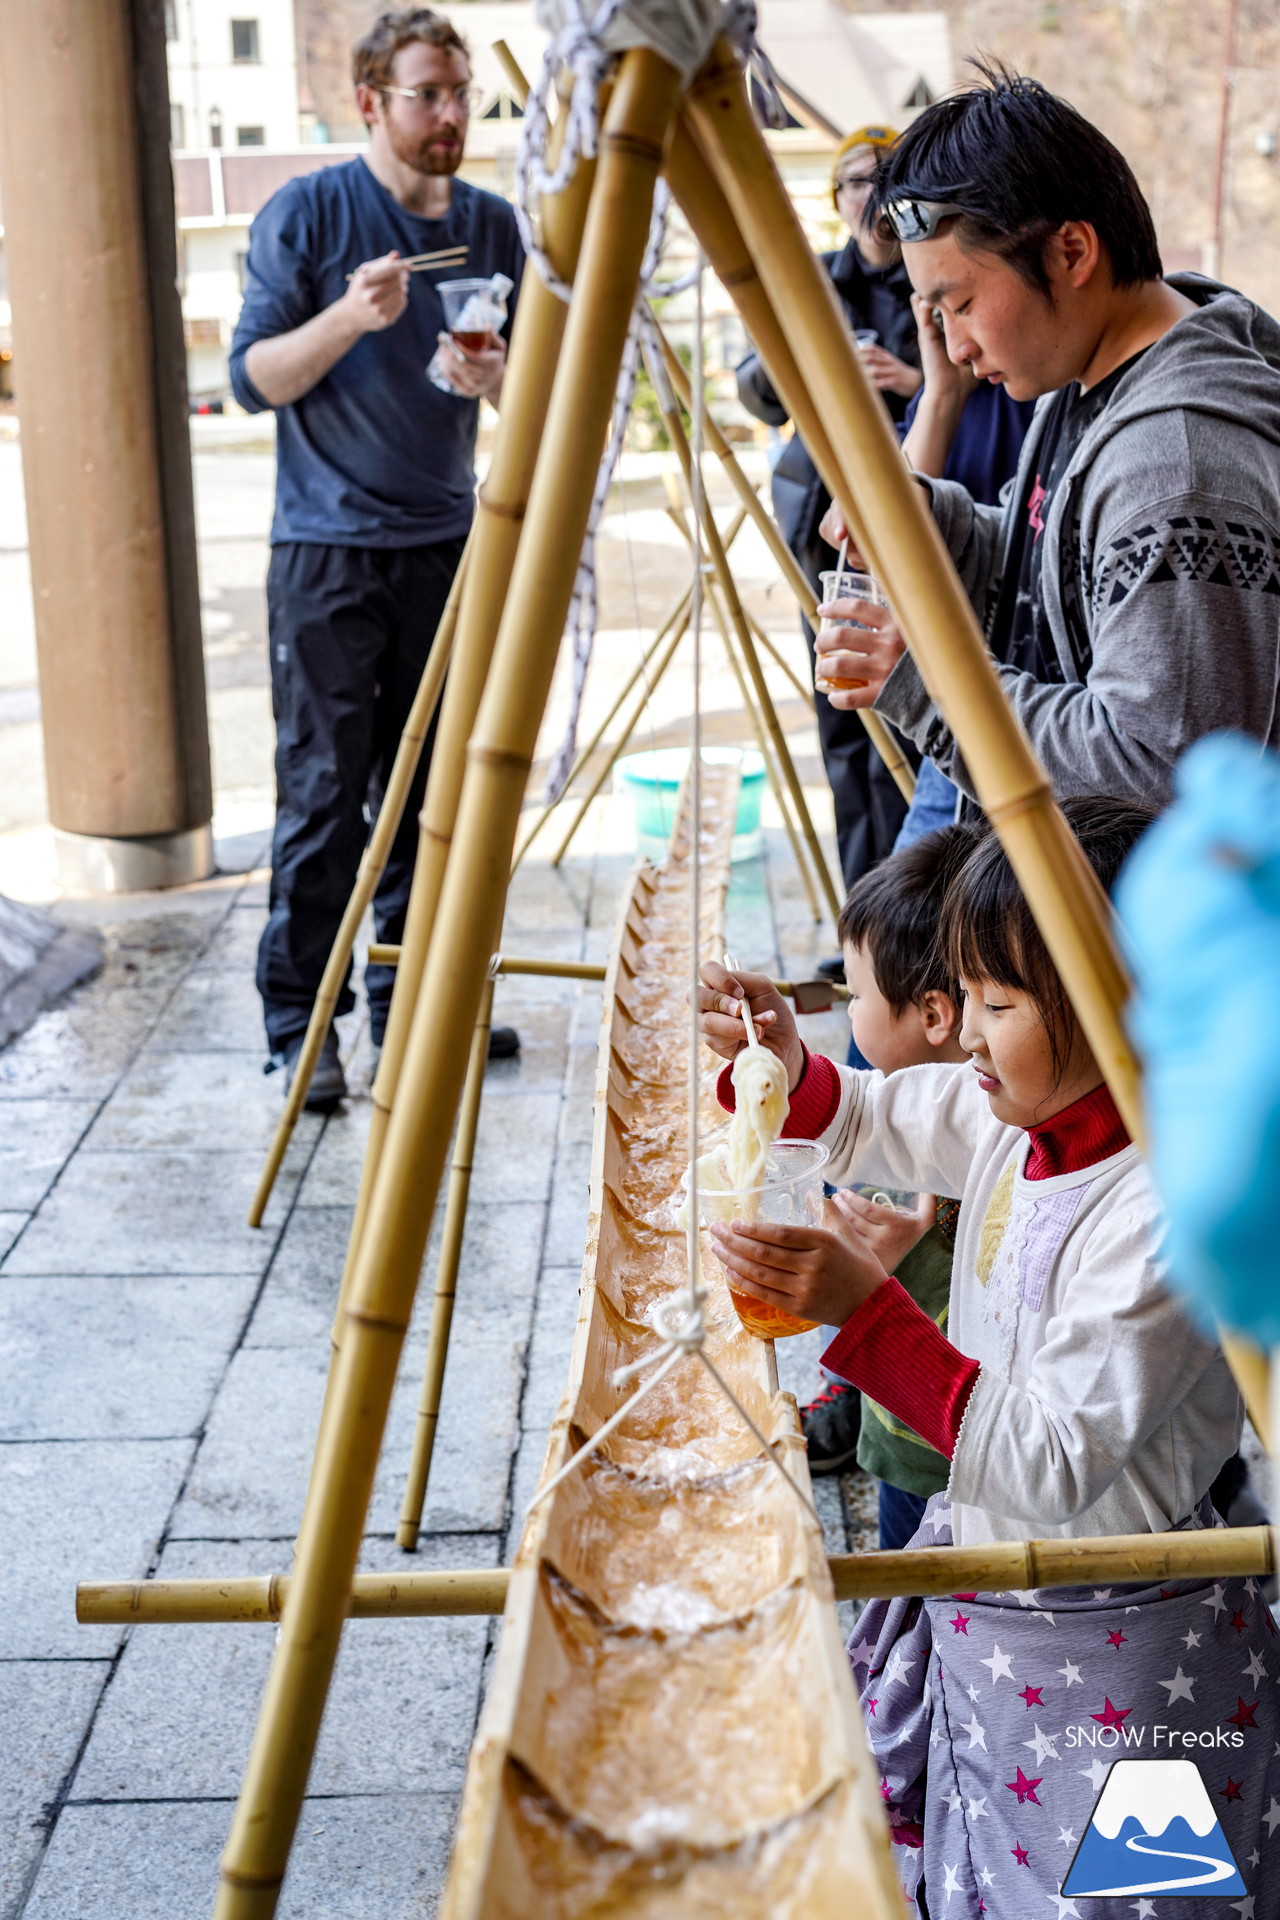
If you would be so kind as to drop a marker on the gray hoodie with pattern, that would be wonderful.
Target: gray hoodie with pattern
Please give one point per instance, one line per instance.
(1161, 565)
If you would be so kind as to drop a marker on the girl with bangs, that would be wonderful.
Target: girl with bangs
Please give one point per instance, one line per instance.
(1072, 1396)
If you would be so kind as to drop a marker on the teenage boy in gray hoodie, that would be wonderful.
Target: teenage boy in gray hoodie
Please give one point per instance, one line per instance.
(1130, 587)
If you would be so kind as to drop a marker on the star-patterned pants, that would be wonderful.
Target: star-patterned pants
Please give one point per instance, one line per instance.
(995, 1718)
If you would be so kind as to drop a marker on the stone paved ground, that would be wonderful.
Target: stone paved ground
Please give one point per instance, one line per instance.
(164, 1365)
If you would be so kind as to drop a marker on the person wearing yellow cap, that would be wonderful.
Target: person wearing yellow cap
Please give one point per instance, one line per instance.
(874, 290)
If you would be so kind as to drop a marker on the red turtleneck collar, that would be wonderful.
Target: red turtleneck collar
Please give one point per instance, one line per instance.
(1087, 1131)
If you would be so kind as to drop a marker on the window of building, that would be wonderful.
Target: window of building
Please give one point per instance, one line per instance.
(251, 136)
(920, 95)
(503, 108)
(242, 270)
(177, 124)
(170, 19)
(244, 42)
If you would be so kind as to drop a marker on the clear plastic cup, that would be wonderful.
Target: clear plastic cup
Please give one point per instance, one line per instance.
(846, 585)
(790, 1196)
(474, 310)
(866, 336)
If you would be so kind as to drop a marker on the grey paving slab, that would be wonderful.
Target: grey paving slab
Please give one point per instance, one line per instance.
(210, 1100)
(515, 1144)
(371, 1858)
(93, 1358)
(11, 1225)
(543, 1025)
(36, 1138)
(91, 1510)
(180, 1712)
(333, 1178)
(45, 1709)
(548, 1369)
(251, 1474)
(234, 947)
(130, 1212)
(213, 1009)
(567, 1217)
(297, 1304)
(80, 1050)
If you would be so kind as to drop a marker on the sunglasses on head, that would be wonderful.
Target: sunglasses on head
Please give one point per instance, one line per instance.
(913, 219)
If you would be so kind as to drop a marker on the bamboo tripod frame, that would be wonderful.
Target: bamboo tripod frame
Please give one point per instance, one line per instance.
(729, 189)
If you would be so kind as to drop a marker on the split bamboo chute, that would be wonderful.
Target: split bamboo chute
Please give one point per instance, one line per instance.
(670, 1598)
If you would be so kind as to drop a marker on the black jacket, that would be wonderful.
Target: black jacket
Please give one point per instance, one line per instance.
(870, 299)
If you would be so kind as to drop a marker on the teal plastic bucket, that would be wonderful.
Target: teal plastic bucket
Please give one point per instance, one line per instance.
(653, 781)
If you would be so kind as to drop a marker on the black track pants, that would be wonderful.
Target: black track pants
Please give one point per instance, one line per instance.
(350, 629)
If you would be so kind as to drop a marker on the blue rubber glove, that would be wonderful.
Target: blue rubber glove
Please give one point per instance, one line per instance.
(1199, 902)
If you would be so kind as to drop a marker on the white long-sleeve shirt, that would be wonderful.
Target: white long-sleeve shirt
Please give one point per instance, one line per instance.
(1099, 1408)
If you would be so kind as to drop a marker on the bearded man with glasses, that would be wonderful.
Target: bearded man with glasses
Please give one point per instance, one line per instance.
(374, 491)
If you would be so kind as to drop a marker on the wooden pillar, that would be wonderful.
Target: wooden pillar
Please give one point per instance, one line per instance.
(92, 263)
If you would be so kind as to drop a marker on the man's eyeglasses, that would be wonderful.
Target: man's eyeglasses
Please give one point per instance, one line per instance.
(432, 99)
(913, 219)
(855, 183)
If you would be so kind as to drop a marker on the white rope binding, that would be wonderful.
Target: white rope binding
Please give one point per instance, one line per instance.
(682, 32)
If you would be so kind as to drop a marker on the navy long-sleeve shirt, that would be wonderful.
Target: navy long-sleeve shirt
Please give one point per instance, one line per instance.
(374, 455)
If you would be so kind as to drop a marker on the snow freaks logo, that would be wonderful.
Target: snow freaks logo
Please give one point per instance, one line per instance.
(1153, 1830)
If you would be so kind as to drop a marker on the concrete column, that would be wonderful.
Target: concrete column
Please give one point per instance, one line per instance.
(90, 246)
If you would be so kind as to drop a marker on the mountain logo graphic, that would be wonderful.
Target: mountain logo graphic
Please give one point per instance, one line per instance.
(1153, 1830)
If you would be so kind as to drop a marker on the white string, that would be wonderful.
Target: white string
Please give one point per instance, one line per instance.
(681, 1321)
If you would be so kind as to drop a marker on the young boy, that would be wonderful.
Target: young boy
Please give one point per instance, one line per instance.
(904, 1010)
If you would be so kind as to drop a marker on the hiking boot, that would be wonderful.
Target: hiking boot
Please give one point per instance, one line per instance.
(831, 1425)
(504, 1043)
(328, 1082)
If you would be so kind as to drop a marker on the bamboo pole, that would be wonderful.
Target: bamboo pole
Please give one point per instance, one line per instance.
(762, 747)
(746, 646)
(389, 956)
(729, 257)
(446, 1287)
(498, 758)
(779, 660)
(374, 1596)
(1006, 1566)
(623, 740)
(500, 512)
(373, 863)
(901, 540)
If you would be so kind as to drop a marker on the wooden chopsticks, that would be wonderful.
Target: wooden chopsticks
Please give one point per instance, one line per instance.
(420, 262)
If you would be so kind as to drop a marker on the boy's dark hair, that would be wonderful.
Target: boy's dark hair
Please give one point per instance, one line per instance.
(988, 932)
(373, 57)
(895, 911)
(1021, 162)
